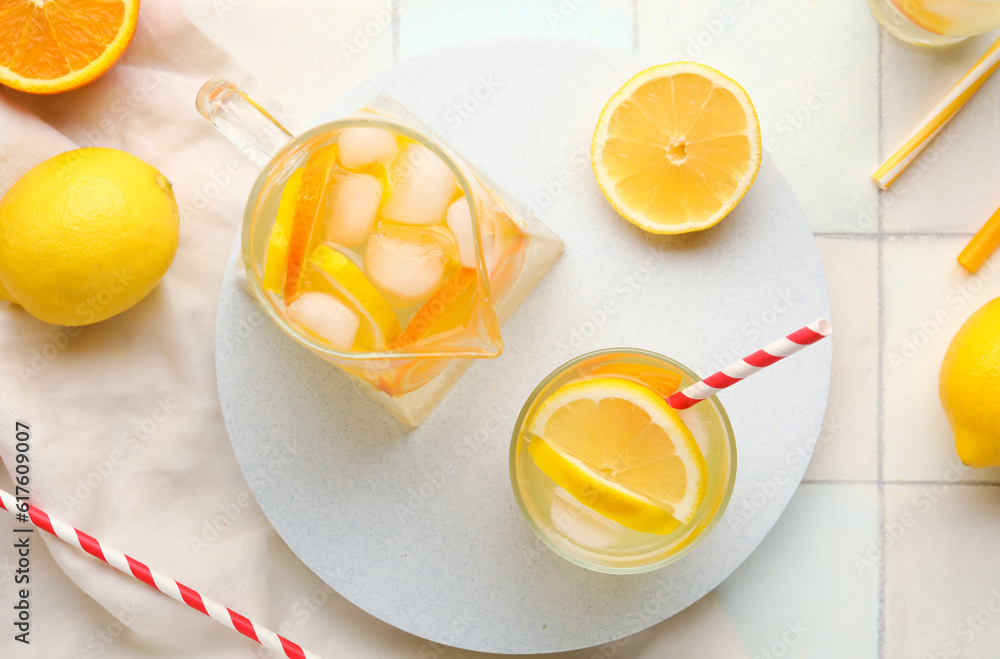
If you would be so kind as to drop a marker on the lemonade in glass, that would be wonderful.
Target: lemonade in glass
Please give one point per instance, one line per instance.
(611, 477)
(936, 22)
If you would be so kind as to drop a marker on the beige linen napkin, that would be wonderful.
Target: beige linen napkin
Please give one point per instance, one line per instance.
(127, 439)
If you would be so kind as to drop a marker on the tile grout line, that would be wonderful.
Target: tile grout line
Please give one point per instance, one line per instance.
(907, 483)
(939, 482)
(635, 27)
(880, 394)
(890, 234)
(394, 8)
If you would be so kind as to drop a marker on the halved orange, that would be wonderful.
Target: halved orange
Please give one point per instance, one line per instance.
(676, 148)
(50, 46)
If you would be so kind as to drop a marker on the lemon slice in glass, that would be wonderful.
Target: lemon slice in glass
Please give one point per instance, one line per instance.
(619, 449)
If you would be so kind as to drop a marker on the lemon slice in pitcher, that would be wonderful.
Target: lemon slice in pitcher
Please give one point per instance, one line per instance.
(619, 449)
(347, 279)
(676, 148)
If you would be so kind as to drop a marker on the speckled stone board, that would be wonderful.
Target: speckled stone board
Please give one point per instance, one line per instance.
(420, 528)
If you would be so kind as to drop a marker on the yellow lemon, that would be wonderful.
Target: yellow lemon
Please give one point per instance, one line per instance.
(676, 148)
(969, 385)
(86, 235)
(619, 449)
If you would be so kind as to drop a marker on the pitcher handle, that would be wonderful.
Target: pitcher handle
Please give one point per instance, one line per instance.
(237, 116)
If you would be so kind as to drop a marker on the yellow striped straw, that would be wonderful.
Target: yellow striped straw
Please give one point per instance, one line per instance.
(938, 117)
(982, 244)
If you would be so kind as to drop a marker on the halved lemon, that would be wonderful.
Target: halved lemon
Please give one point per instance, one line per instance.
(619, 449)
(348, 280)
(676, 148)
(48, 46)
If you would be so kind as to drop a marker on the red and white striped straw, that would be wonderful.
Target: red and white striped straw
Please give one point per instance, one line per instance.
(730, 375)
(145, 574)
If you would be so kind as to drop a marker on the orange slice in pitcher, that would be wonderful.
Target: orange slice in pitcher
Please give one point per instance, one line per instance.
(277, 244)
(50, 47)
(315, 178)
(448, 308)
(676, 148)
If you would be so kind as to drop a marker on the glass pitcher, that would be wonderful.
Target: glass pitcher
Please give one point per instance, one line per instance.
(408, 351)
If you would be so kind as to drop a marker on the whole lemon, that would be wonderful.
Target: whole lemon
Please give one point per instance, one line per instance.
(970, 387)
(85, 235)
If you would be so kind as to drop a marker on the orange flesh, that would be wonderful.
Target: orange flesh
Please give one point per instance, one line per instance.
(51, 40)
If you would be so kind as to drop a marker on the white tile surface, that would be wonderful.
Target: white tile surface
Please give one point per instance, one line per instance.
(847, 446)
(305, 53)
(429, 24)
(927, 298)
(943, 594)
(677, 636)
(800, 594)
(811, 69)
(951, 187)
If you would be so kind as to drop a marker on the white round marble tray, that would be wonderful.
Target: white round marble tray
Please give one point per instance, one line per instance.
(420, 528)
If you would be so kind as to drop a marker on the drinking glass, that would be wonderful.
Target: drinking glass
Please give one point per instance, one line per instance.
(936, 22)
(587, 538)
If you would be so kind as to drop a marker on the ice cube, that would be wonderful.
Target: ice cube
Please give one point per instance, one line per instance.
(326, 318)
(459, 220)
(407, 264)
(351, 205)
(362, 146)
(422, 186)
(581, 524)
